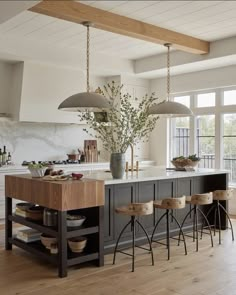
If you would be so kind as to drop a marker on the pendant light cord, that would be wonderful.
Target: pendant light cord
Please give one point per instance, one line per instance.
(168, 71)
(88, 43)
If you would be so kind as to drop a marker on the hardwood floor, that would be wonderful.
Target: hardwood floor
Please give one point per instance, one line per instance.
(211, 271)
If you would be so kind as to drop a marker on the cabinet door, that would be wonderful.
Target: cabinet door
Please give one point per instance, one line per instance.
(109, 214)
(199, 185)
(124, 194)
(166, 189)
(147, 191)
(185, 187)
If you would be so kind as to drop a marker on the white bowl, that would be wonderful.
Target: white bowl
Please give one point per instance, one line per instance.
(76, 222)
(38, 172)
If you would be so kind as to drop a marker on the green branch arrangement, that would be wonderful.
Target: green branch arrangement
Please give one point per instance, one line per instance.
(125, 124)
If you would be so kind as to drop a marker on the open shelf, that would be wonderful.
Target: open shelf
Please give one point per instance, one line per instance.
(81, 230)
(35, 248)
(76, 258)
(52, 231)
(34, 224)
(39, 250)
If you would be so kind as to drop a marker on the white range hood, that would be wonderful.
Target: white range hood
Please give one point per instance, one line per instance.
(39, 88)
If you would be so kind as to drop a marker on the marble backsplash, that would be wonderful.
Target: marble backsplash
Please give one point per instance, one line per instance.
(47, 141)
(41, 141)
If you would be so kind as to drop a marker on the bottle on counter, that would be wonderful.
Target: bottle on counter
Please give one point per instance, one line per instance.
(82, 157)
(0, 157)
(4, 156)
(9, 158)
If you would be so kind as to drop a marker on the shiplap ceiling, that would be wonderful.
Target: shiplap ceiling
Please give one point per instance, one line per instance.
(207, 20)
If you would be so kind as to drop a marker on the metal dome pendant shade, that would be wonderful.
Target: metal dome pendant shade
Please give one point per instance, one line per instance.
(85, 101)
(168, 108)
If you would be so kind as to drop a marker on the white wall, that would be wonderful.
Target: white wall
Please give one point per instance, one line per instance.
(215, 78)
(5, 86)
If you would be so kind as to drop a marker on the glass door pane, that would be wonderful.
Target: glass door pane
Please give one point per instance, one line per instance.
(206, 140)
(229, 140)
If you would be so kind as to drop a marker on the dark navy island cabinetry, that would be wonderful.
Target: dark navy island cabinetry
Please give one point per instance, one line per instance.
(121, 194)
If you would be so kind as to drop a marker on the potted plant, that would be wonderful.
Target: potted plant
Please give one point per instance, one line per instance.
(121, 126)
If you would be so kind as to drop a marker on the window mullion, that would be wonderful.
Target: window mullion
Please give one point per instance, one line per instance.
(218, 131)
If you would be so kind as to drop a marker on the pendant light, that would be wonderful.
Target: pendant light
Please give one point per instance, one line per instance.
(85, 101)
(168, 108)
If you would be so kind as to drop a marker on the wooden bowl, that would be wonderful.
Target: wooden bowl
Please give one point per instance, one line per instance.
(24, 206)
(184, 163)
(48, 241)
(35, 213)
(77, 244)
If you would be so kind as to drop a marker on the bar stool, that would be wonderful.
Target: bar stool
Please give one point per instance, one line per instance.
(220, 195)
(134, 210)
(198, 200)
(169, 204)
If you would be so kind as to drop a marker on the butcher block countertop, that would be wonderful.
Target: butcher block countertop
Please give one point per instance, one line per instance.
(58, 195)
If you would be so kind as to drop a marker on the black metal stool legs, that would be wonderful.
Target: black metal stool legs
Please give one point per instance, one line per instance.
(168, 233)
(169, 214)
(182, 224)
(149, 241)
(196, 210)
(219, 221)
(159, 220)
(208, 224)
(132, 222)
(182, 233)
(133, 240)
(217, 208)
(227, 215)
(117, 243)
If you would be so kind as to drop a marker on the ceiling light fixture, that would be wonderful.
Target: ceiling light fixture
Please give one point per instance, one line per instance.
(85, 101)
(169, 108)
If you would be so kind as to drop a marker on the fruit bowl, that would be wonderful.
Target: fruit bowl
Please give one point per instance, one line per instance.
(182, 162)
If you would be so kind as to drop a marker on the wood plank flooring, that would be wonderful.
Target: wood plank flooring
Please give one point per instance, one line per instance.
(211, 271)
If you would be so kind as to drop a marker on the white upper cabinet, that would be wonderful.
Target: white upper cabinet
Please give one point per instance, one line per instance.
(43, 88)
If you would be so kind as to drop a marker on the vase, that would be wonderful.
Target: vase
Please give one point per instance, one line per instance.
(117, 165)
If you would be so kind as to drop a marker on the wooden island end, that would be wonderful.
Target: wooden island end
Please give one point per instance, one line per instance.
(86, 195)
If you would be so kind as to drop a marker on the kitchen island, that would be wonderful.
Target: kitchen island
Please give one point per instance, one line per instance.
(151, 183)
(154, 183)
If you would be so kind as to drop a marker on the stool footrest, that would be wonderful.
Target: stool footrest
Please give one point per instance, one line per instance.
(164, 244)
(143, 248)
(177, 239)
(120, 251)
(158, 242)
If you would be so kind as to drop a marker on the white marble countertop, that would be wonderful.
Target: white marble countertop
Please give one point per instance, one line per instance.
(149, 174)
(70, 167)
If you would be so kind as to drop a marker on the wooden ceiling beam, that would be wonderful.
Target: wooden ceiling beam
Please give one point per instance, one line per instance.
(105, 20)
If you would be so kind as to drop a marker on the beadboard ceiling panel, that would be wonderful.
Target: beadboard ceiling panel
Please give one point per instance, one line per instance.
(207, 20)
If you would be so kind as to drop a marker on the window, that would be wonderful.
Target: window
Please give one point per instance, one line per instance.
(229, 97)
(206, 140)
(183, 99)
(180, 131)
(206, 100)
(181, 137)
(211, 133)
(229, 141)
